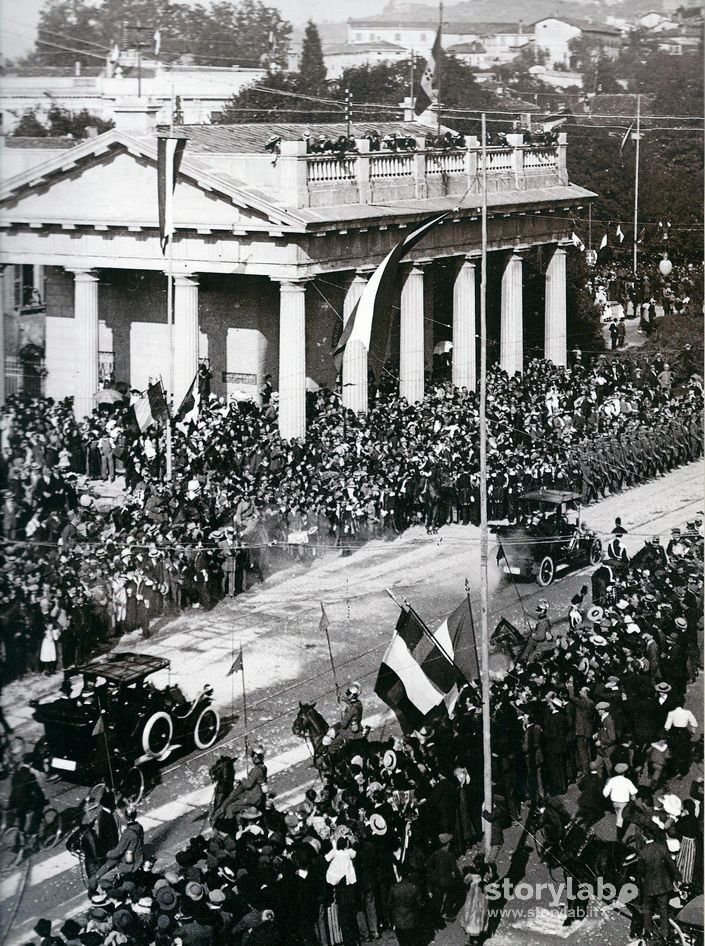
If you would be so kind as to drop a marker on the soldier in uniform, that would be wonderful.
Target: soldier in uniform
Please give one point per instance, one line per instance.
(351, 718)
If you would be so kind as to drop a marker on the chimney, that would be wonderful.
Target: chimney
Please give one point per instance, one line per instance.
(135, 118)
(77, 67)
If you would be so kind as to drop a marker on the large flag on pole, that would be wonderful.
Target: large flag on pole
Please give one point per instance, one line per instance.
(430, 81)
(150, 407)
(376, 299)
(169, 153)
(419, 675)
(237, 665)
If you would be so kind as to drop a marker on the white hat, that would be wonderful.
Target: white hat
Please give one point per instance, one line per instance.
(377, 824)
(598, 640)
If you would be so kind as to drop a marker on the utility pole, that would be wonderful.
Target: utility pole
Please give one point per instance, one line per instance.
(411, 80)
(139, 30)
(439, 66)
(636, 181)
(484, 532)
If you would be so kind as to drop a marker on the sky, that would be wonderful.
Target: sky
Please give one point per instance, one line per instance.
(18, 18)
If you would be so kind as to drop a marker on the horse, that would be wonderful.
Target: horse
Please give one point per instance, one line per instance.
(309, 724)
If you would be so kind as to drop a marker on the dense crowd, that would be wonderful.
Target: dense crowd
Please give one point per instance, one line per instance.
(391, 839)
(243, 501)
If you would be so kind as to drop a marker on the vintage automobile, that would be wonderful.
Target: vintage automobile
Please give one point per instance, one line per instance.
(549, 535)
(111, 721)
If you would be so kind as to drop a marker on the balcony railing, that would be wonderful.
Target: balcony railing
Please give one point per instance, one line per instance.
(364, 177)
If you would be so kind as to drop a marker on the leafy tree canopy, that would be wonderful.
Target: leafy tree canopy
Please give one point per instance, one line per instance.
(58, 123)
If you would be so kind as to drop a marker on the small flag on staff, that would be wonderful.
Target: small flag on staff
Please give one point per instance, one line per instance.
(577, 241)
(169, 154)
(324, 623)
(237, 665)
(642, 234)
(620, 233)
(157, 42)
(151, 407)
(603, 242)
(188, 409)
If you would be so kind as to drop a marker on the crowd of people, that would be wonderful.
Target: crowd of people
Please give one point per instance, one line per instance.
(391, 839)
(243, 502)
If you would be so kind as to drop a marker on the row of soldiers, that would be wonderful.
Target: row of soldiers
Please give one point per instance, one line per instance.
(638, 453)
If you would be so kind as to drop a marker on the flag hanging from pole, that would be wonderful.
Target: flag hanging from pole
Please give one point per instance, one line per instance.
(626, 138)
(324, 623)
(189, 407)
(169, 153)
(375, 302)
(150, 407)
(575, 239)
(603, 242)
(620, 233)
(431, 78)
(419, 675)
(237, 665)
(642, 234)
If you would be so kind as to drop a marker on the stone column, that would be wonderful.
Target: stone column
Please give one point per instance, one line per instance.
(411, 342)
(292, 360)
(554, 346)
(85, 311)
(464, 327)
(185, 335)
(354, 388)
(511, 345)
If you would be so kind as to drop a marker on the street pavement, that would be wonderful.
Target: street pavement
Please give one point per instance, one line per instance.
(286, 660)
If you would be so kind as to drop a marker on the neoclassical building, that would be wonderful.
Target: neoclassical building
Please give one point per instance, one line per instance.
(271, 253)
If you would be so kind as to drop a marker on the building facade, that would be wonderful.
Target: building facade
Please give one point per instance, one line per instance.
(271, 253)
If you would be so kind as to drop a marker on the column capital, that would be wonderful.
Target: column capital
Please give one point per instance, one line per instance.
(83, 275)
(562, 247)
(292, 285)
(186, 279)
(470, 260)
(416, 268)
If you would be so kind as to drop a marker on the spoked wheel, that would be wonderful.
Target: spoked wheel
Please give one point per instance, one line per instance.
(11, 848)
(205, 732)
(157, 734)
(547, 571)
(49, 829)
(595, 552)
(133, 785)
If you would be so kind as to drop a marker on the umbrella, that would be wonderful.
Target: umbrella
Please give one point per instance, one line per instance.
(107, 396)
(442, 348)
(692, 913)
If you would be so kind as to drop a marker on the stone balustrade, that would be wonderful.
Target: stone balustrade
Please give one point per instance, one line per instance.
(364, 177)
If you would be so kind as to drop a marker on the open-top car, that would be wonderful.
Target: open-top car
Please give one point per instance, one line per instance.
(548, 535)
(112, 721)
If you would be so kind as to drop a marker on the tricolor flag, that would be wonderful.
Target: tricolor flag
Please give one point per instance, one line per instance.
(237, 665)
(377, 296)
(620, 233)
(188, 409)
(577, 241)
(421, 673)
(603, 243)
(151, 407)
(169, 153)
(431, 78)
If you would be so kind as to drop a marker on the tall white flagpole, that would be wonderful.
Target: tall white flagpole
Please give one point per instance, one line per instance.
(636, 181)
(170, 298)
(484, 537)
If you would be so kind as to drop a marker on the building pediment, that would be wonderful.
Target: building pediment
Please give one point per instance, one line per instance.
(111, 182)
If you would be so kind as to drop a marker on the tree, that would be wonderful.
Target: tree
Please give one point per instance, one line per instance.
(312, 69)
(253, 104)
(59, 123)
(247, 33)
(385, 83)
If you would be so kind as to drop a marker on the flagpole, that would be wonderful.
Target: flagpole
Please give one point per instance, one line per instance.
(472, 622)
(324, 622)
(484, 535)
(170, 312)
(244, 711)
(636, 180)
(440, 68)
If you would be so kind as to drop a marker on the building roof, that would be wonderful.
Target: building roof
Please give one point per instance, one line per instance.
(41, 144)
(251, 138)
(340, 49)
(474, 47)
(449, 26)
(587, 26)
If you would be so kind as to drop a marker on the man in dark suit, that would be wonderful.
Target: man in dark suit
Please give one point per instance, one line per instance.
(444, 881)
(657, 874)
(405, 911)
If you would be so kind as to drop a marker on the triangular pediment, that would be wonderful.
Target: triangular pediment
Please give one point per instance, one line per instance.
(111, 181)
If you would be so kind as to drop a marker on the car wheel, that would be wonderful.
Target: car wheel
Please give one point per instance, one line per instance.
(132, 788)
(49, 829)
(595, 552)
(157, 733)
(547, 571)
(205, 732)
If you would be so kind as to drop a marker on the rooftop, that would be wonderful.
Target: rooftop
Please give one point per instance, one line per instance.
(339, 49)
(449, 26)
(587, 26)
(44, 144)
(251, 138)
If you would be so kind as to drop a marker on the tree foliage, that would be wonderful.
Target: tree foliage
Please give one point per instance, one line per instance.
(58, 123)
(312, 68)
(247, 33)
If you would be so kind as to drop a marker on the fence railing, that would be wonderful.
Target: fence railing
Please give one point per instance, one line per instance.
(445, 162)
(391, 165)
(328, 170)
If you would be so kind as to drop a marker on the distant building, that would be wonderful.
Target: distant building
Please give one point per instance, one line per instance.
(419, 34)
(341, 56)
(553, 35)
(201, 91)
